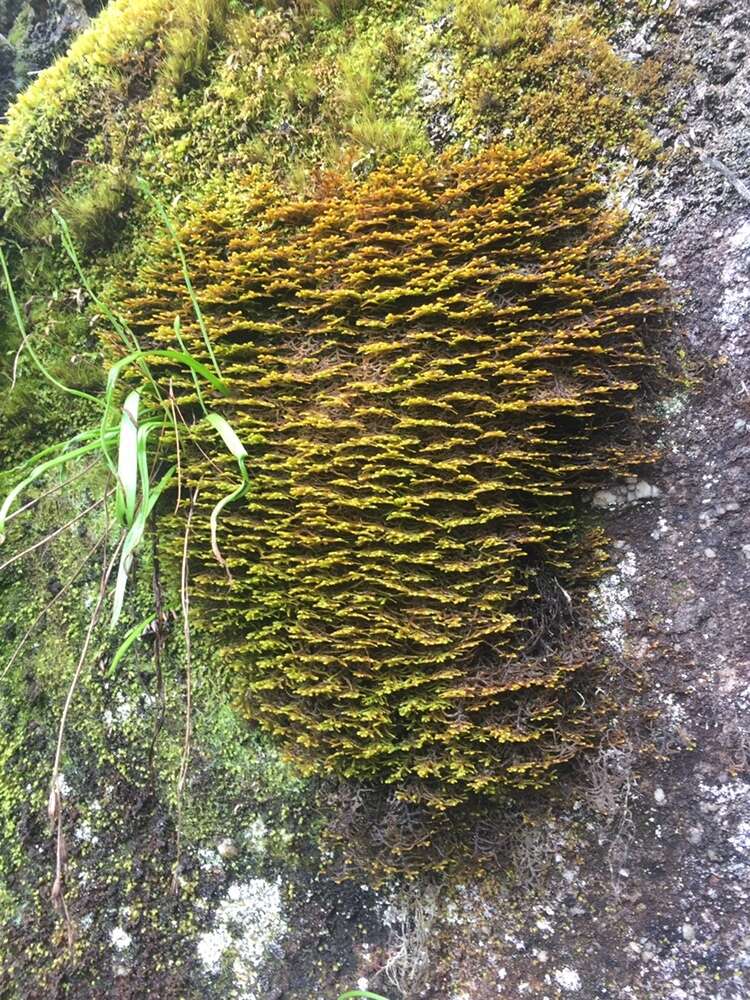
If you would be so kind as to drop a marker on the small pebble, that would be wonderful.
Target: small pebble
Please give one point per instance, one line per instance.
(688, 932)
(710, 553)
(659, 797)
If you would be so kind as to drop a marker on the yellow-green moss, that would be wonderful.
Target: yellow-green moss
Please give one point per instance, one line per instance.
(545, 73)
(80, 93)
(187, 89)
(427, 369)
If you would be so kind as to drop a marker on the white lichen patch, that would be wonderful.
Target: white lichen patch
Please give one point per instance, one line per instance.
(84, 833)
(623, 496)
(248, 928)
(568, 979)
(256, 835)
(673, 405)
(611, 600)
(120, 939)
(122, 711)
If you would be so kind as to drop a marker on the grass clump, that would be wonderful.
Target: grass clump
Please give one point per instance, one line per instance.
(426, 369)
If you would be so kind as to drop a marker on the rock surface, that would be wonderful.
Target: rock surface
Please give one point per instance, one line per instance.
(639, 889)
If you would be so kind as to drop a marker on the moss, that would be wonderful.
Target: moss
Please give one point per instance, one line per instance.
(96, 210)
(428, 368)
(491, 26)
(130, 41)
(122, 756)
(195, 28)
(191, 89)
(547, 71)
(329, 10)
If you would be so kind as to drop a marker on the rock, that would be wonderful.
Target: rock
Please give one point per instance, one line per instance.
(688, 932)
(644, 491)
(227, 849)
(605, 498)
(726, 508)
(659, 796)
(695, 835)
(687, 617)
(38, 32)
(619, 496)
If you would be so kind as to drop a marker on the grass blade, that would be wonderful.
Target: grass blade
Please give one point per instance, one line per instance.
(237, 449)
(225, 431)
(38, 471)
(127, 461)
(118, 325)
(179, 357)
(133, 539)
(135, 633)
(361, 993)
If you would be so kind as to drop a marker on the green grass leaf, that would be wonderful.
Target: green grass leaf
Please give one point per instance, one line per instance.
(237, 449)
(127, 461)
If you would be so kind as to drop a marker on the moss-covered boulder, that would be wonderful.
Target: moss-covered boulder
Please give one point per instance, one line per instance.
(430, 361)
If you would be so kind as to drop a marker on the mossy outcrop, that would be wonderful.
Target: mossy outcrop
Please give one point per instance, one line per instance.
(427, 368)
(379, 503)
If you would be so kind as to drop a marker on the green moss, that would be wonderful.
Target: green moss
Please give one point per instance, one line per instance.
(122, 756)
(196, 26)
(191, 89)
(96, 209)
(427, 369)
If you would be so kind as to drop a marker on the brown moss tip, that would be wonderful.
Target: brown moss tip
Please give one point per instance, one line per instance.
(428, 368)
